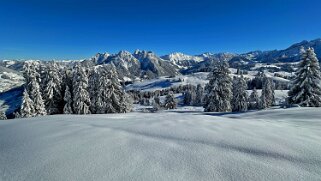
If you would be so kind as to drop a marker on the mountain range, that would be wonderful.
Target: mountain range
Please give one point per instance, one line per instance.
(146, 64)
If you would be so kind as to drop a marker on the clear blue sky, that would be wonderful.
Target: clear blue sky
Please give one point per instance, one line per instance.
(75, 29)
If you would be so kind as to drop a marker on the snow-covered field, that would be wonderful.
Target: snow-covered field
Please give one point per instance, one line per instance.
(282, 144)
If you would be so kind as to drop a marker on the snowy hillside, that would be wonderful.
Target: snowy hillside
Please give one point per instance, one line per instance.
(264, 145)
(9, 79)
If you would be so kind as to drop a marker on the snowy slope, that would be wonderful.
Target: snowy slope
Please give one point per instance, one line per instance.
(265, 145)
(166, 82)
(9, 79)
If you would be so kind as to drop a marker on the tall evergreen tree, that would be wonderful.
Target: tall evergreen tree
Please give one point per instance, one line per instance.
(189, 96)
(254, 99)
(218, 92)
(199, 95)
(267, 96)
(52, 92)
(32, 78)
(35, 95)
(27, 106)
(170, 101)
(306, 90)
(81, 99)
(68, 102)
(119, 101)
(93, 84)
(239, 101)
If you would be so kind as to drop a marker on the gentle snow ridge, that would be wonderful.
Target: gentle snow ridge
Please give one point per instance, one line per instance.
(263, 145)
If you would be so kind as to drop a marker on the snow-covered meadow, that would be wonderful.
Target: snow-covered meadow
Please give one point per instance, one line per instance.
(183, 144)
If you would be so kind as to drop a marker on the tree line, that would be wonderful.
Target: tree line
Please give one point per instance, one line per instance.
(54, 89)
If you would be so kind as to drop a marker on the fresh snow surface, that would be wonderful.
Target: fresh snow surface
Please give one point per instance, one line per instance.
(282, 144)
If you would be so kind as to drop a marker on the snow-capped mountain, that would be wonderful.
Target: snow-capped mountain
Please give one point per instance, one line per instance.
(291, 54)
(154, 66)
(138, 65)
(182, 60)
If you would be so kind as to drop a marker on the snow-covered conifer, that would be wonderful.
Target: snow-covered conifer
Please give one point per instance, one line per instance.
(254, 99)
(239, 101)
(199, 95)
(189, 96)
(120, 100)
(17, 115)
(156, 103)
(27, 106)
(52, 89)
(170, 101)
(110, 96)
(218, 92)
(93, 82)
(81, 99)
(68, 101)
(36, 97)
(267, 96)
(306, 90)
(2, 115)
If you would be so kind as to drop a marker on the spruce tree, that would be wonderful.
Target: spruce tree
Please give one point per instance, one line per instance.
(239, 101)
(306, 89)
(2, 115)
(120, 101)
(81, 99)
(68, 102)
(254, 99)
(36, 97)
(267, 96)
(52, 92)
(156, 103)
(218, 92)
(170, 101)
(199, 95)
(93, 82)
(27, 106)
(189, 96)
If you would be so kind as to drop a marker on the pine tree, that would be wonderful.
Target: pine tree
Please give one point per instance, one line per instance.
(68, 102)
(199, 95)
(27, 109)
(239, 101)
(267, 96)
(254, 99)
(306, 90)
(81, 99)
(2, 115)
(170, 101)
(218, 92)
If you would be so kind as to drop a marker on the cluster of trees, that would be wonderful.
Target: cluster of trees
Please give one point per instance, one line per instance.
(54, 89)
(224, 94)
(194, 95)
